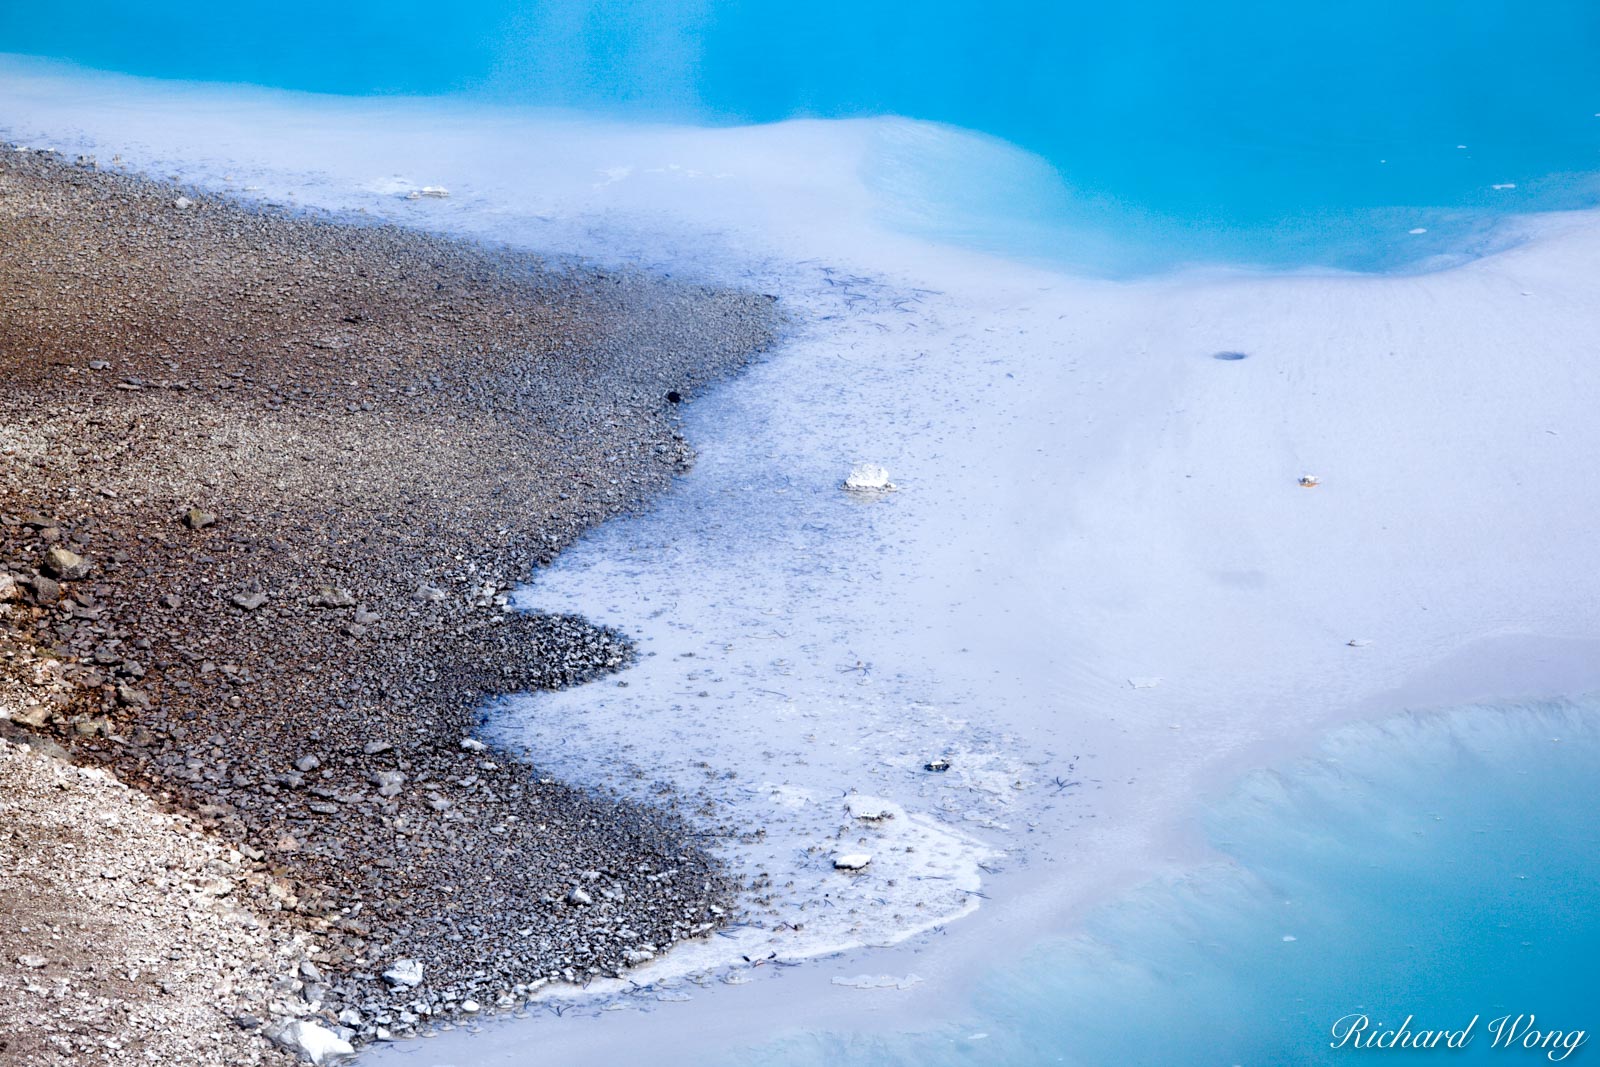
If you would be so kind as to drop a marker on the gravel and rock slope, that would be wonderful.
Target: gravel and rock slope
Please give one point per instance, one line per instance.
(130, 936)
(265, 482)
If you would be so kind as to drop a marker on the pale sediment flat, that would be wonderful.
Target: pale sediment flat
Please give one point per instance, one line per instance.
(1101, 587)
(1100, 549)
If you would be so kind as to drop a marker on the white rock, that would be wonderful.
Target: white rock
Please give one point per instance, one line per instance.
(183, 203)
(868, 478)
(852, 861)
(312, 1043)
(388, 782)
(1309, 481)
(406, 973)
(1144, 683)
(470, 1006)
(868, 809)
(472, 744)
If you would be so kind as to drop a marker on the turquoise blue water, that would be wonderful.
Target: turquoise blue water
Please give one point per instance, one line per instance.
(1241, 130)
(1440, 867)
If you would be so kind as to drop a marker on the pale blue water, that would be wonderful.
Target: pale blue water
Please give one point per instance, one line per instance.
(1240, 130)
(1443, 867)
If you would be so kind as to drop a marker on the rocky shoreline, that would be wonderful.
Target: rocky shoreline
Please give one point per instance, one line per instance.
(265, 483)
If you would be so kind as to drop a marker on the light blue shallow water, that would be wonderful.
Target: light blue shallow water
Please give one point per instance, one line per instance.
(1243, 130)
(1439, 867)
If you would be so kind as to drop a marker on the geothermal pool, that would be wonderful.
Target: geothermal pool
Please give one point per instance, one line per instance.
(1230, 758)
